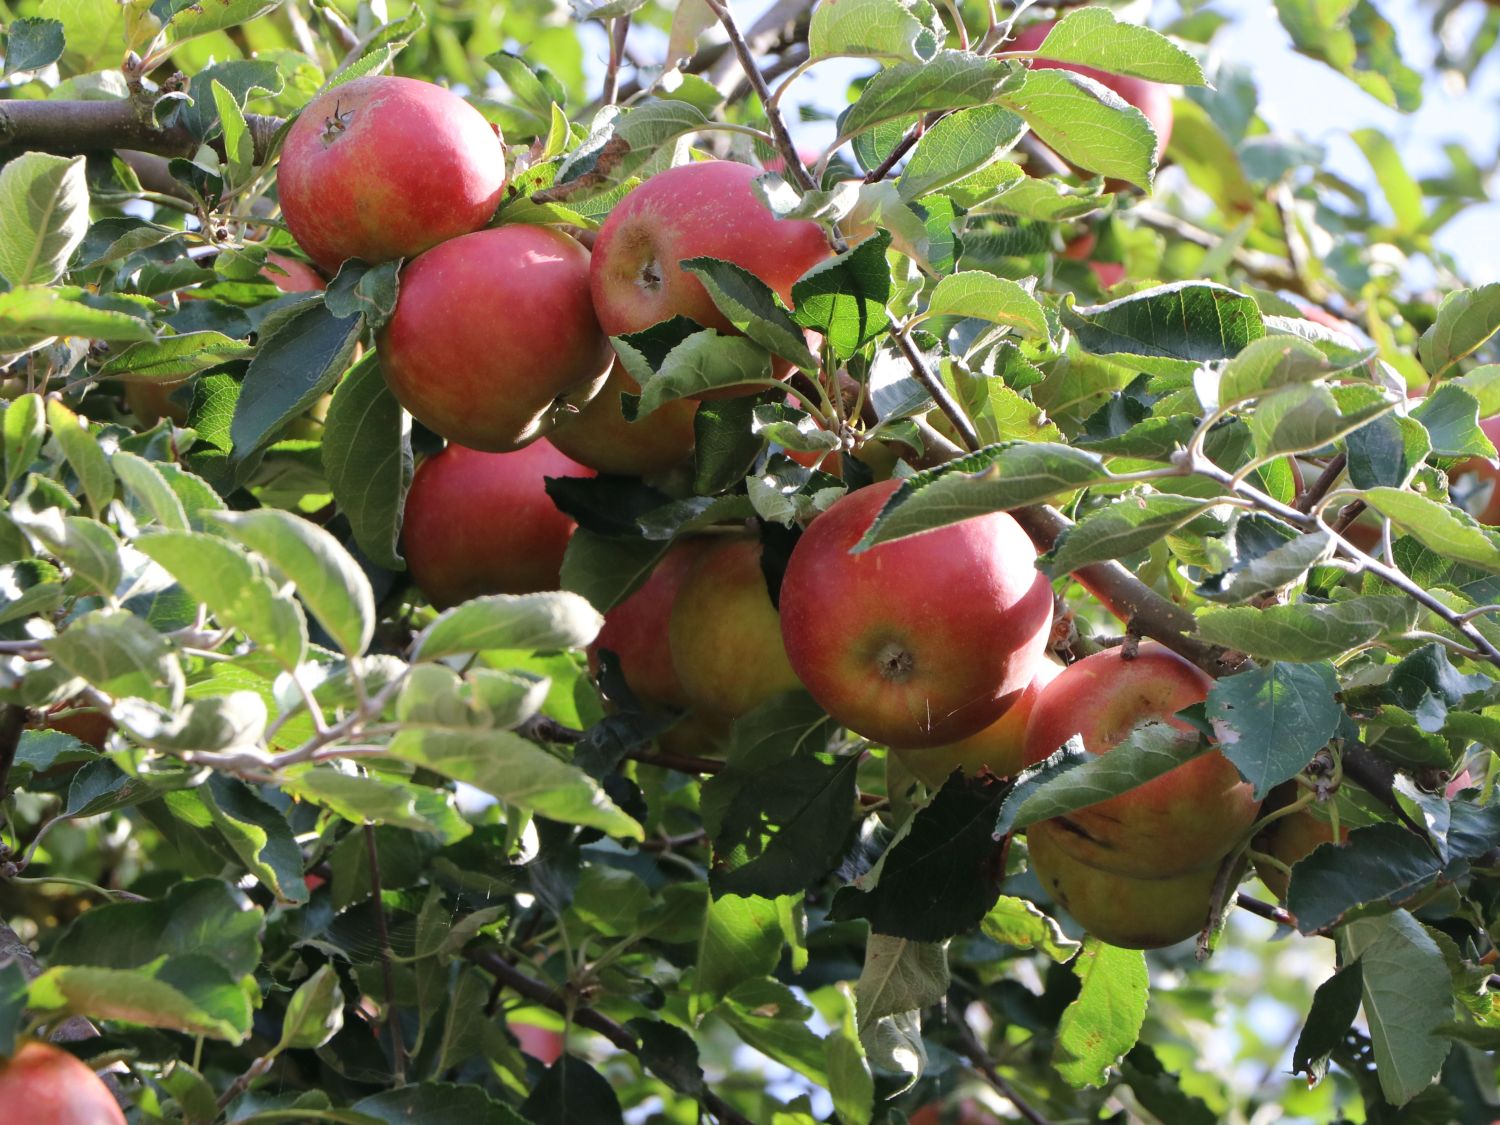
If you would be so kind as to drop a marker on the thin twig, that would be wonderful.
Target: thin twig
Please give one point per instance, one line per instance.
(1310, 499)
(970, 1047)
(1269, 911)
(934, 386)
(382, 933)
(618, 29)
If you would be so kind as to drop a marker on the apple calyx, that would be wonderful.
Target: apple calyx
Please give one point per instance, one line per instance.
(336, 125)
(895, 662)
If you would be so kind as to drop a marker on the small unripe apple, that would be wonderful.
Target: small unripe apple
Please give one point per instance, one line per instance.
(599, 436)
(999, 748)
(1190, 815)
(44, 1085)
(1292, 838)
(382, 168)
(918, 642)
(725, 633)
(708, 209)
(1118, 909)
(494, 336)
(482, 523)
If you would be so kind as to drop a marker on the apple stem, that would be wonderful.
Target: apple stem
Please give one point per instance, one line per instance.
(618, 29)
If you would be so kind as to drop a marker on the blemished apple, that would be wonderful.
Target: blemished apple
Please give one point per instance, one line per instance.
(918, 642)
(44, 1085)
(1190, 815)
(999, 748)
(638, 630)
(1151, 98)
(725, 633)
(599, 435)
(150, 402)
(708, 209)
(382, 168)
(482, 523)
(494, 337)
(1120, 910)
(1290, 839)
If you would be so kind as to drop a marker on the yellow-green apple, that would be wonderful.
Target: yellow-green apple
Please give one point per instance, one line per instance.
(494, 337)
(1121, 910)
(482, 523)
(599, 436)
(44, 1085)
(918, 642)
(381, 168)
(998, 748)
(1151, 98)
(1191, 815)
(1486, 474)
(151, 402)
(725, 633)
(1292, 838)
(708, 209)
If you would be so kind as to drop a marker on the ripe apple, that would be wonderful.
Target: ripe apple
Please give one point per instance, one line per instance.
(1486, 474)
(1151, 98)
(637, 630)
(494, 336)
(706, 209)
(381, 168)
(1189, 816)
(482, 523)
(45, 1085)
(151, 402)
(998, 748)
(1080, 249)
(725, 634)
(1292, 838)
(599, 436)
(919, 642)
(1118, 909)
(541, 1043)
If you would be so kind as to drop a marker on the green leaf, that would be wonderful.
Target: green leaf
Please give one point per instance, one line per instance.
(899, 976)
(379, 800)
(874, 29)
(1268, 364)
(86, 547)
(190, 20)
(1356, 41)
(1465, 321)
(1401, 190)
(326, 577)
(1105, 1020)
(949, 80)
(430, 1102)
(534, 622)
(256, 832)
(1307, 632)
(1334, 1007)
(769, 1017)
(1386, 451)
(170, 358)
(28, 589)
(298, 358)
(45, 200)
(741, 940)
(1088, 124)
(1190, 321)
(315, 1013)
(753, 307)
(974, 293)
(239, 146)
(958, 146)
(151, 490)
(845, 297)
(367, 458)
(24, 430)
(1450, 415)
(121, 656)
(606, 570)
(236, 592)
(1271, 721)
(1442, 529)
(30, 45)
(92, 32)
(86, 459)
(1381, 866)
(513, 770)
(705, 361)
(31, 314)
(1129, 524)
(364, 290)
(1304, 418)
(193, 994)
(1093, 37)
(1020, 923)
(1408, 998)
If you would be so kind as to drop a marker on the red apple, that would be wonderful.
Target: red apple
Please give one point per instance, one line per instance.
(494, 336)
(1187, 817)
(1151, 98)
(482, 523)
(599, 436)
(725, 633)
(540, 1043)
(1118, 909)
(998, 748)
(381, 168)
(919, 642)
(1486, 474)
(637, 630)
(1081, 248)
(87, 724)
(706, 209)
(44, 1085)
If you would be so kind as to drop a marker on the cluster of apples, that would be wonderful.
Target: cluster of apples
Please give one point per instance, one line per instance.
(500, 343)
